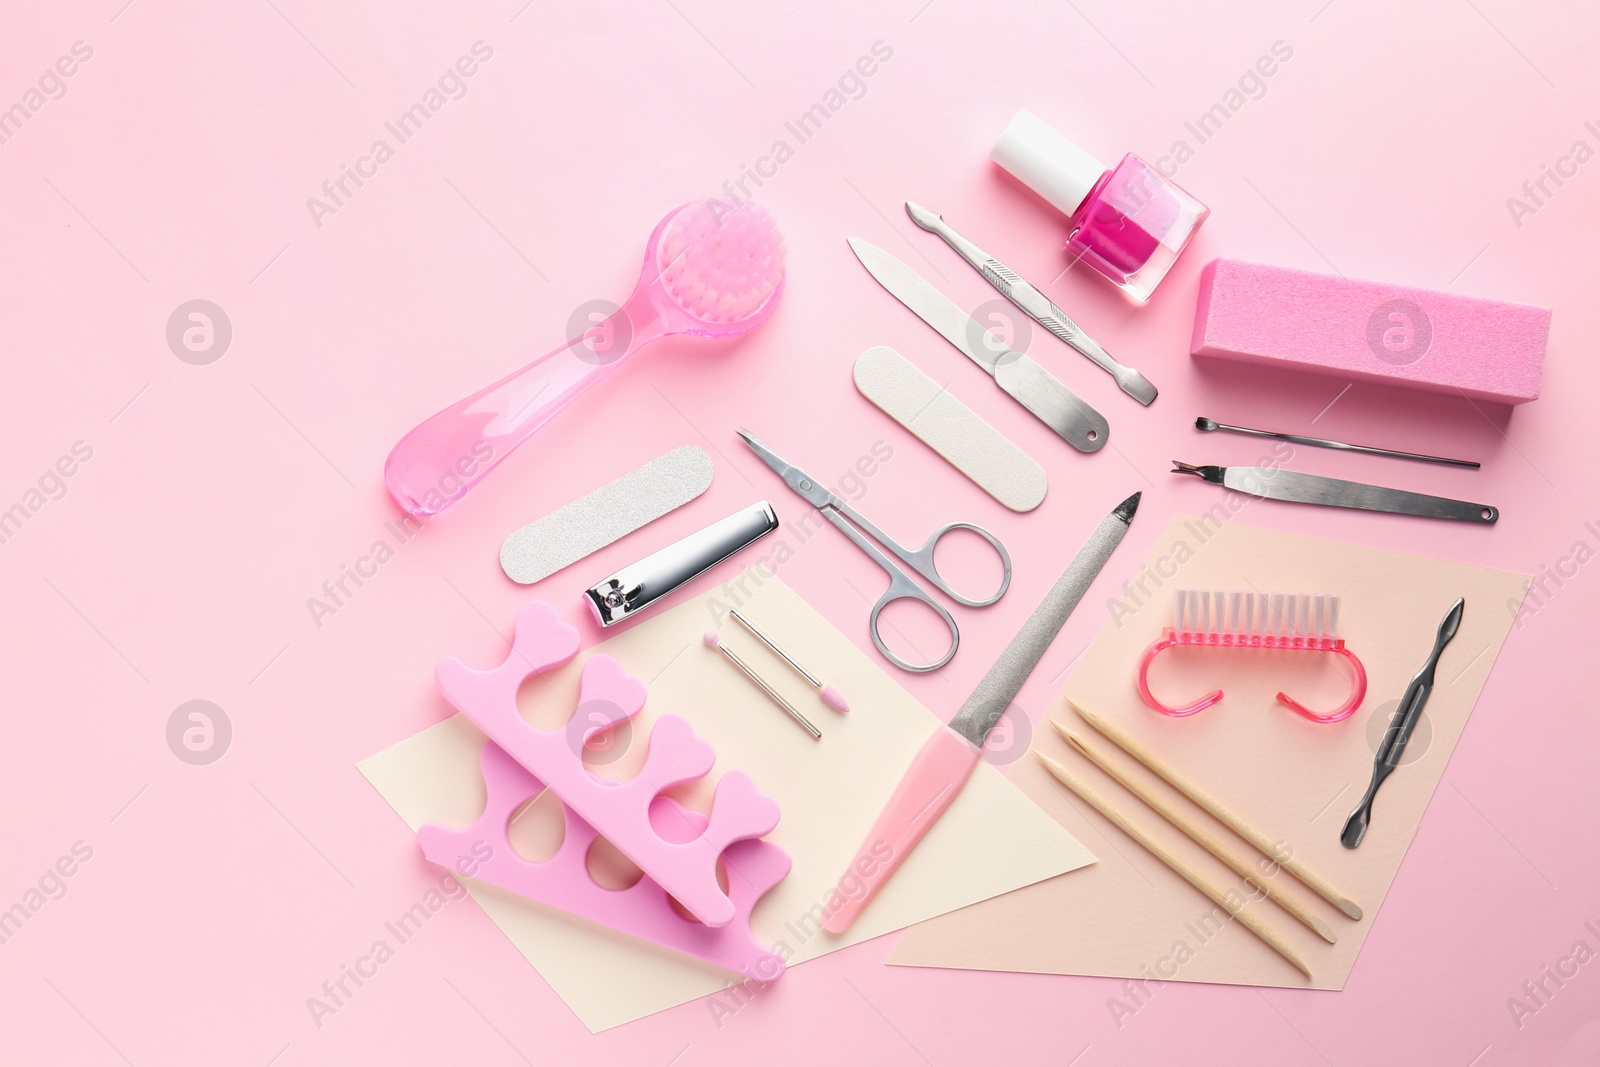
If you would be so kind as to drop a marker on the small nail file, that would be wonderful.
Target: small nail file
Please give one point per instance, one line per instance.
(616, 509)
(950, 428)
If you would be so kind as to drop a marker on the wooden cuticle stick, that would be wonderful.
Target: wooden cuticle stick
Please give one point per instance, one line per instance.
(1133, 748)
(1214, 893)
(1200, 836)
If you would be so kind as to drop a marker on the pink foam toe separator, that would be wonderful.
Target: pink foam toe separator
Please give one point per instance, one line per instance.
(1370, 331)
(483, 851)
(618, 811)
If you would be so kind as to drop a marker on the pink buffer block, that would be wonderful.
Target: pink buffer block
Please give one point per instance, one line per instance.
(1370, 331)
(619, 811)
(563, 881)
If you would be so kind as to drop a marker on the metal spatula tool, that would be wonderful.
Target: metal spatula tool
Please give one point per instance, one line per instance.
(1039, 307)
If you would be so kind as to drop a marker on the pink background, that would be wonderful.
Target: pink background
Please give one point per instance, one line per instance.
(218, 498)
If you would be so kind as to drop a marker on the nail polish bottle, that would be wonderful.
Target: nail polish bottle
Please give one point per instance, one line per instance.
(1128, 222)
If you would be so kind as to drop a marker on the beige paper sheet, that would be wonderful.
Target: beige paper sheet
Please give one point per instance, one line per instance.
(1130, 916)
(991, 840)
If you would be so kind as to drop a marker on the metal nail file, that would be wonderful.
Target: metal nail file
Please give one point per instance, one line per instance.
(1405, 719)
(1298, 488)
(1035, 388)
(1017, 289)
(947, 759)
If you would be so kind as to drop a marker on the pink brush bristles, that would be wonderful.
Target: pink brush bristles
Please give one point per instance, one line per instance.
(720, 264)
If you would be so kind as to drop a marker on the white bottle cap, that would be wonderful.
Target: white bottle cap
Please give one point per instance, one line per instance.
(1047, 162)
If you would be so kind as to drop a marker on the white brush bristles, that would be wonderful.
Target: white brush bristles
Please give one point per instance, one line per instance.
(1272, 616)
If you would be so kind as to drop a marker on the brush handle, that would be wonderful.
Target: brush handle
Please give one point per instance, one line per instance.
(435, 464)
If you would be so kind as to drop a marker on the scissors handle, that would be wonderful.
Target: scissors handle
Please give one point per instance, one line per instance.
(923, 563)
(921, 560)
(902, 587)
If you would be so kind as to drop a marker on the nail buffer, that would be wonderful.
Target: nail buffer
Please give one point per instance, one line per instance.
(1035, 388)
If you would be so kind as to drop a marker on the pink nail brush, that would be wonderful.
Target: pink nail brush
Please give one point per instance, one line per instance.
(710, 270)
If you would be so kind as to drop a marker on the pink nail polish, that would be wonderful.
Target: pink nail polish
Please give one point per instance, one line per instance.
(1128, 222)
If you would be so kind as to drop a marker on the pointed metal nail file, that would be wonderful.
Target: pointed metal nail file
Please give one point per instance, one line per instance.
(1035, 388)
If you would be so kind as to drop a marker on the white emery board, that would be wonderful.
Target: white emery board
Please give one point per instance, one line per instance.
(617, 508)
(950, 428)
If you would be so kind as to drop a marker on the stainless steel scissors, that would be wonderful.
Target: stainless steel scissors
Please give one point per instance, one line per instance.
(901, 585)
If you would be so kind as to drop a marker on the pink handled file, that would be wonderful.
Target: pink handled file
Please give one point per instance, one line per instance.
(936, 775)
(1489, 350)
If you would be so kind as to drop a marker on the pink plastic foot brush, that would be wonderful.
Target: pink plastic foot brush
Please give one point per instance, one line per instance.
(1214, 619)
(710, 270)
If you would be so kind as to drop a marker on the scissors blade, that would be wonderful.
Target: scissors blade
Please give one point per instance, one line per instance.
(795, 478)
